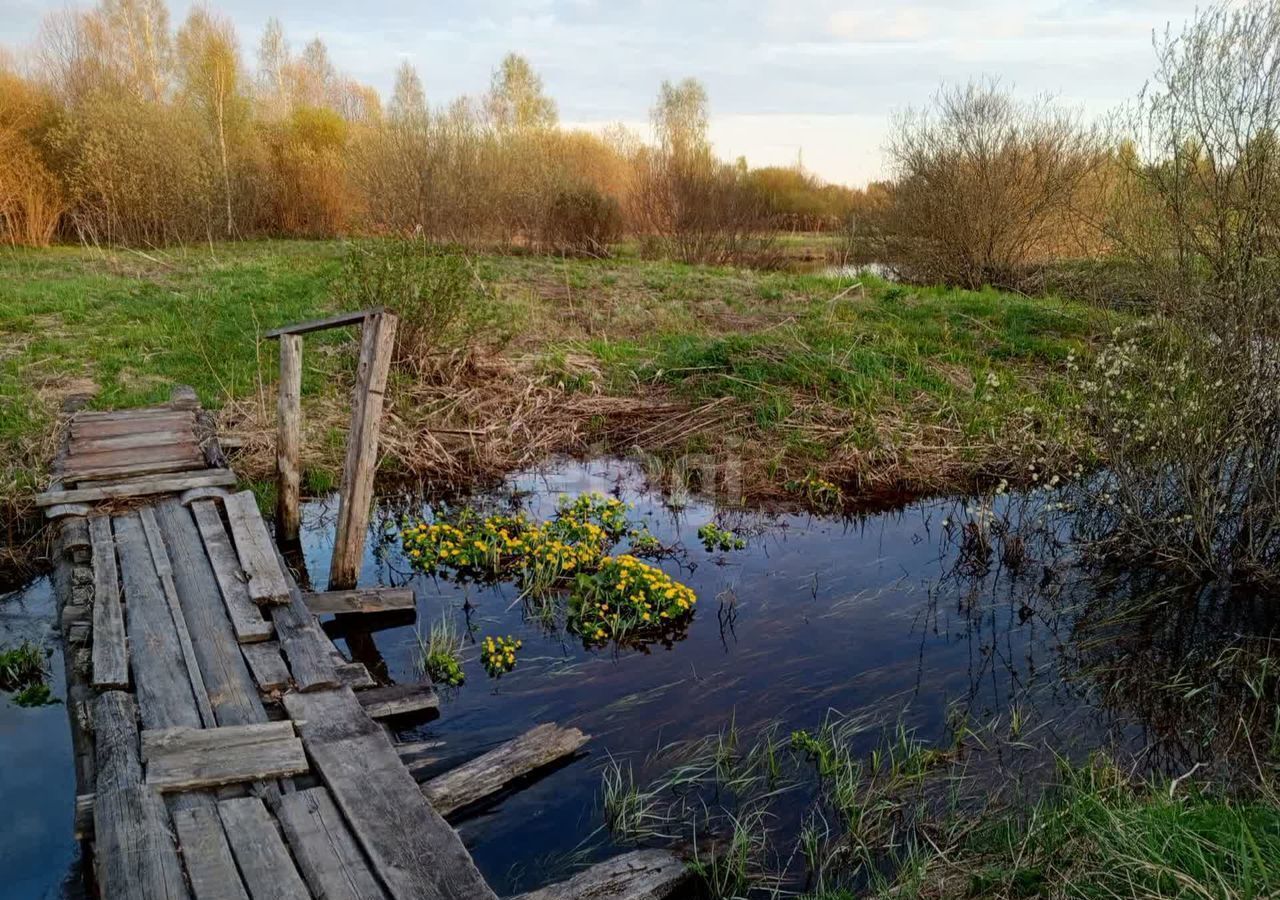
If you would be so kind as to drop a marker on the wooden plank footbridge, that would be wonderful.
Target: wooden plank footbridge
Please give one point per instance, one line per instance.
(225, 747)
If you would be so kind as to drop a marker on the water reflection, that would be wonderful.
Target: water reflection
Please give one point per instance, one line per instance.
(38, 852)
(893, 614)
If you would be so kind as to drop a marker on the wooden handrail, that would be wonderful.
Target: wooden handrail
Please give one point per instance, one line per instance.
(355, 494)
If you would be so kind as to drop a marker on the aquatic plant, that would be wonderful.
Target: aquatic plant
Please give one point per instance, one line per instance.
(817, 492)
(624, 596)
(609, 596)
(714, 537)
(36, 694)
(498, 654)
(440, 654)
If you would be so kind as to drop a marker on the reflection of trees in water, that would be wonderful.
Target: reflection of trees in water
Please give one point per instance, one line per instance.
(1166, 674)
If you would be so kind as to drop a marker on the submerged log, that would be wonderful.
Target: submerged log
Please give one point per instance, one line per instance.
(486, 775)
(638, 875)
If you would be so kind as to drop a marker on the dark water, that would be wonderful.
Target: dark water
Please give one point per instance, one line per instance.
(37, 782)
(815, 615)
(890, 615)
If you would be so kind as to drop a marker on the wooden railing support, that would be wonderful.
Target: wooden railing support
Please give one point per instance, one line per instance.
(289, 439)
(377, 346)
(355, 496)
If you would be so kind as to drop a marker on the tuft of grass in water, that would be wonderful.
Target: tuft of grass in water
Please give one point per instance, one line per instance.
(21, 666)
(440, 653)
(23, 670)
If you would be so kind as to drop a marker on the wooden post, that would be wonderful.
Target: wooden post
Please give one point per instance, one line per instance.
(289, 439)
(377, 344)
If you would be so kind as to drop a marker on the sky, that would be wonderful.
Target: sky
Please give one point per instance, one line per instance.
(816, 81)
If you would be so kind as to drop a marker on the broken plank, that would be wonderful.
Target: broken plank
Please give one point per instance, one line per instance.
(104, 428)
(186, 759)
(231, 688)
(110, 647)
(360, 600)
(327, 854)
(408, 843)
(210, 865)
(267, 585)
(160, 557)
(638, 875)
(160, 677)
(260, 853)
(310, 654)
(487, 774)
(246, 618)
(354, 675)
(266, 665)
(398, 700)
(139, 487)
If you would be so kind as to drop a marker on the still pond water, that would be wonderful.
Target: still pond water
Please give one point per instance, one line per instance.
(876, 614)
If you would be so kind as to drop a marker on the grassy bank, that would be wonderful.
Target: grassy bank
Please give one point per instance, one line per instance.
(800, 376)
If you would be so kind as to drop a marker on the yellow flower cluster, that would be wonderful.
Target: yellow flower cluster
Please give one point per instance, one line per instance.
(626, 596)
(499, 655)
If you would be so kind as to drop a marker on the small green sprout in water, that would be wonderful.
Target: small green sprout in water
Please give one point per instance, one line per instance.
(37, 694)
(499, 655)
(440, 654)
(714, 537)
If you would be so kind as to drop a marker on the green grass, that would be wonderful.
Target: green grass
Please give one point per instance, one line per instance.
(817, 380)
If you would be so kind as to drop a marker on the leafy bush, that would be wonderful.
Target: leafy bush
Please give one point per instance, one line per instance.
(582, 220)
(431, 288)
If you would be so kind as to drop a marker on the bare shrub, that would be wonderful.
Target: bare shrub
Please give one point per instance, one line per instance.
(986, 186)
(31, 201)
(1198, 178)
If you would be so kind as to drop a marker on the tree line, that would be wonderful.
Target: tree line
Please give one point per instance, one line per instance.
(118, 128)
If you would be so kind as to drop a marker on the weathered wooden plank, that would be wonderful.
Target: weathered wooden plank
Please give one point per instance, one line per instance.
(160, 677)
(106, 473)
(360, 600)
(355, 493)
(139, 442)
(110, 647)
(488, 774)
(638, 875)
(232, 690)
(398, 700)
(135, 854)
(160, 557)
(114, 428)
(267, 584)
(327, 854)
(289, 438)
(408, 843)
(246, 618)
(210, 865)
(122, 415)
(142, 486)
(260, 853)
(338, 321)
(267, 665)
(185, 759)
